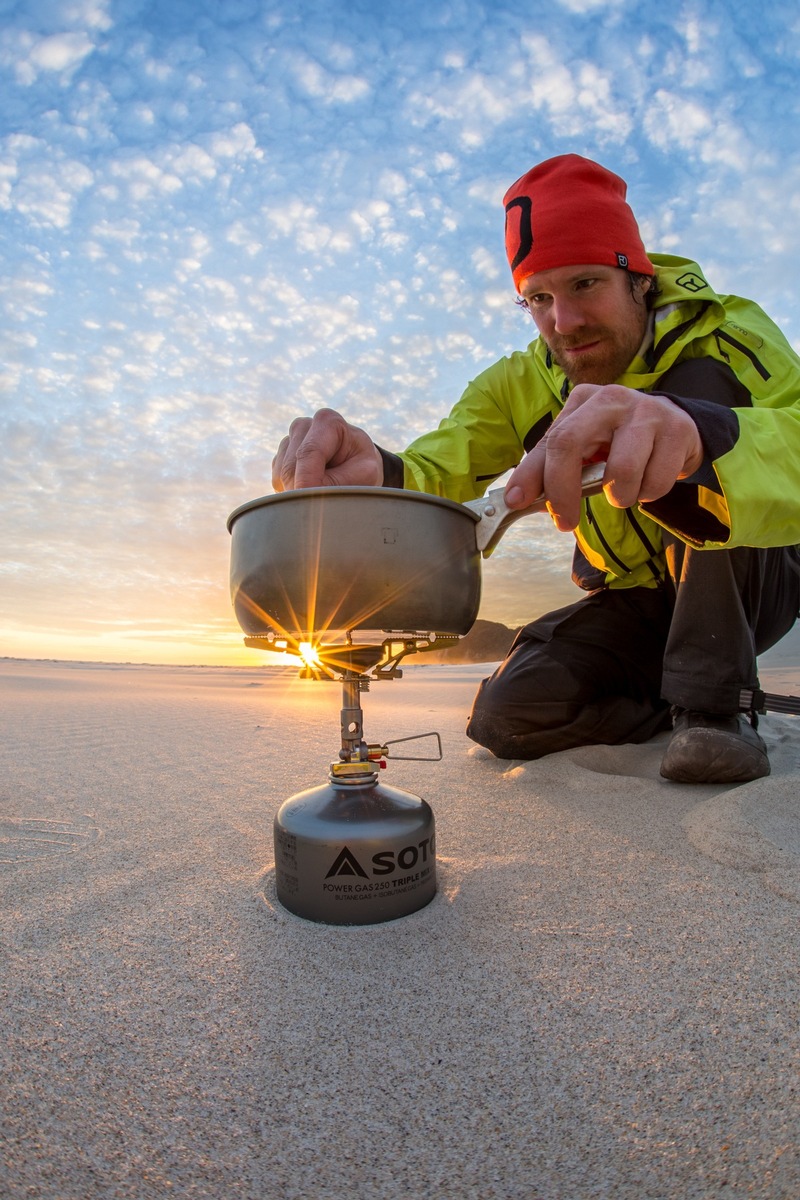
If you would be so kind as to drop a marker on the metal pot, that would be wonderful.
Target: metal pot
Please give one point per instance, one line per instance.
(317, 560)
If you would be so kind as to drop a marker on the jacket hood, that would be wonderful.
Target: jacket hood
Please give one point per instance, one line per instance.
(687, 307)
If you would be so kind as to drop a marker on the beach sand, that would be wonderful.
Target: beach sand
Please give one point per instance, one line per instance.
(601, 1001)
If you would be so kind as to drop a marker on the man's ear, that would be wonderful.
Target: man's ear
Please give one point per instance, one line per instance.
(645, 285)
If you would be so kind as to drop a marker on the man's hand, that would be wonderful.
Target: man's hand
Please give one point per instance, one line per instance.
(326, 451)
(647, 442)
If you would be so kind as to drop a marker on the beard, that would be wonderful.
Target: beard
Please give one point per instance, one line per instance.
(600, 354)
(606, 354)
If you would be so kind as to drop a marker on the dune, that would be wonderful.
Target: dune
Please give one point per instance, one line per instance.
(600, 1001)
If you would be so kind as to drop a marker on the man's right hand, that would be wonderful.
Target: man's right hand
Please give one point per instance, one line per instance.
(326, 451)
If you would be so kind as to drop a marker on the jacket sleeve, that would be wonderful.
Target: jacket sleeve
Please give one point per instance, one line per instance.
(747, 411)
(479, 440)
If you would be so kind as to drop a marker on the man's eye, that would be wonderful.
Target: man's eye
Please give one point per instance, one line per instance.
(529, 303)
(585, 283)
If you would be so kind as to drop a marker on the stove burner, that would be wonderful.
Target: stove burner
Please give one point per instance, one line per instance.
(355, 851)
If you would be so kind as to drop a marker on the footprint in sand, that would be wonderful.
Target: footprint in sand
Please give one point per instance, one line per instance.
(29, 839)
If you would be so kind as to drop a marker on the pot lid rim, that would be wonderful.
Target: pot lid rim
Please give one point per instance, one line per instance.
(349, 490)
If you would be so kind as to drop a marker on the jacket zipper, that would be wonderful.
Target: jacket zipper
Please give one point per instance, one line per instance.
(590, 517)
(656, 352)
(643, 538)
(757, 363)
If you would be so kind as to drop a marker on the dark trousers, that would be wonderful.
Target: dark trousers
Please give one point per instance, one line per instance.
(607, 669)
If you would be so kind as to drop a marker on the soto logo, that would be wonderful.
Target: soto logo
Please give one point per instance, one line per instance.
(384, 862)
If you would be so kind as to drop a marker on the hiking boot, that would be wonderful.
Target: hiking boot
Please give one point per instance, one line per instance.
(714, 748)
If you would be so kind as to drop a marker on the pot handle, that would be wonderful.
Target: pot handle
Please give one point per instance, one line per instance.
(495, 517)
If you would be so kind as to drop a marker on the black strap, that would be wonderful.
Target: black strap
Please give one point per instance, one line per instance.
(754, 700)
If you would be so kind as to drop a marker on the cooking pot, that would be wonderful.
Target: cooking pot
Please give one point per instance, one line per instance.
(317, 560)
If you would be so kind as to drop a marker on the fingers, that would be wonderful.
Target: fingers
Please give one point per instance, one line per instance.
(323, 451)
(553, 467)
(284, 464)
(315, 446)
(278, 465)
(647, 442)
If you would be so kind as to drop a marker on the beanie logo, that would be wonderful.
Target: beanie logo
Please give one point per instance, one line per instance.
(692, 282)
(525, 229)
(622, 261)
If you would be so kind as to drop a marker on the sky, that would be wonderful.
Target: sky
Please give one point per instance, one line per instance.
(217, 215)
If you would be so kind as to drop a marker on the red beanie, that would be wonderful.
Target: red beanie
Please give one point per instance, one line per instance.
(568, 211)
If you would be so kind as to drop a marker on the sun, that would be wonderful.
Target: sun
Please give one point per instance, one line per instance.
(308, 653)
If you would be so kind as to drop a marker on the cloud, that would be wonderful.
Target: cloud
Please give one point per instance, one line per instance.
(236, 142)
(326, 86)
(485, 264)
(674, 120)
(30, 56)
(577, 95)
(40, 183)
(316, 243)
(544, 78)
(126, 230)
(26, 293)
(191, 163)
(143, 176)
(471, 100)
(584, 7)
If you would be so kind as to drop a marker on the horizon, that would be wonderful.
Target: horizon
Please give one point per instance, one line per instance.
(783, 657)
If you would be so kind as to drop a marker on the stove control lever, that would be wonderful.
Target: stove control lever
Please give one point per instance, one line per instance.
(416, 737)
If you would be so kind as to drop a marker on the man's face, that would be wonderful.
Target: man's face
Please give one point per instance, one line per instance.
(589, 318)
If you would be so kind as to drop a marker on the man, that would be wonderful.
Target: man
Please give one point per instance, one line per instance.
(690, 554)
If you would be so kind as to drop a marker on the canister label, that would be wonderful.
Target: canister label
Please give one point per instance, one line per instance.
(355, 883)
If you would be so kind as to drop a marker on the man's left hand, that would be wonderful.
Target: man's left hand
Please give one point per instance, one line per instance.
(647, 441)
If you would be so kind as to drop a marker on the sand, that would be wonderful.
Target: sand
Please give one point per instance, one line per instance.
(601, 1001)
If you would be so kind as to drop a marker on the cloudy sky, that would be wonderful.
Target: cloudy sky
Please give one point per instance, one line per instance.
(219, 214)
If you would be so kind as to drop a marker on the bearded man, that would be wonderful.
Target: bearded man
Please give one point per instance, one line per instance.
(689, 556)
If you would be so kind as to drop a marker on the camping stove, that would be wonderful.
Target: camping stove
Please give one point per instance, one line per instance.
(355, 851)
